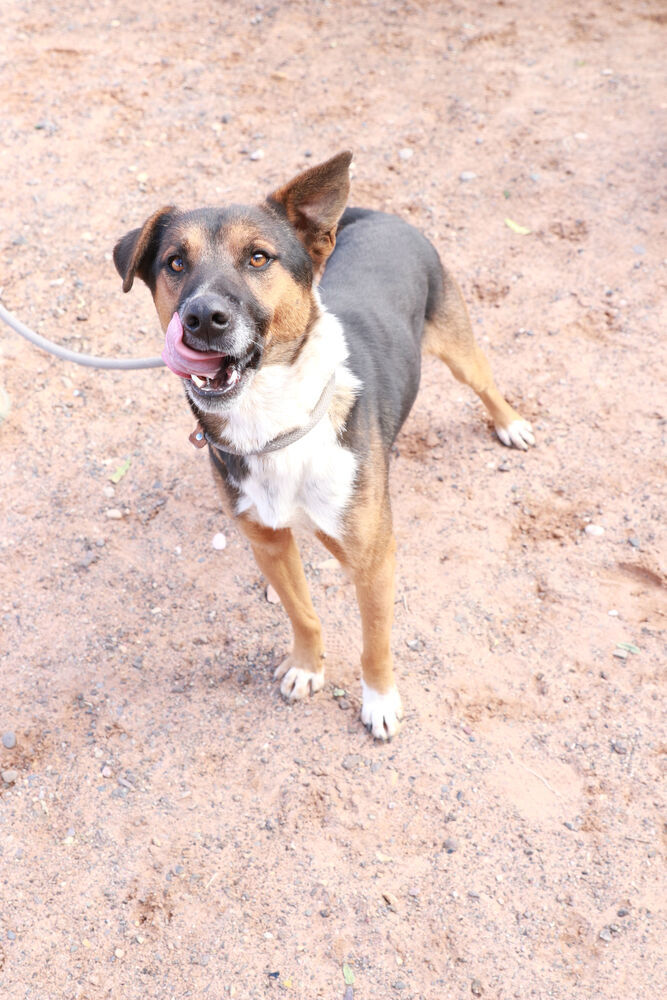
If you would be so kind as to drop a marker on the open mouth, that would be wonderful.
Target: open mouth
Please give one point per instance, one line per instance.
(210, 373)
(226, 379)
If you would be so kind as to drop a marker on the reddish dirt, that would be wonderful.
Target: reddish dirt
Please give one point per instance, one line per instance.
(169, 828)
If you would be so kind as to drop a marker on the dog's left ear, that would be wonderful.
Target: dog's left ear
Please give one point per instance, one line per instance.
(314, 202)
(135, 252)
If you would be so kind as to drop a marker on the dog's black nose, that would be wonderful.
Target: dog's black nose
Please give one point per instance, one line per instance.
(206, 317)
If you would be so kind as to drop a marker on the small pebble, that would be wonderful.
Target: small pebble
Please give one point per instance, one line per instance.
(258, 154)
(406, 154)
(114, 514)
(613, 613)
(119, 953)
(8, 740)
(450, 845)
(620, 654)
(219, 541)
(467, 175)
(594, 529)
(605, 934)
(343, 703)
(476, 988)
(9, 777)
(272, 595)
(634, 542)
(623, 912)
(414, 644)
(106, 771)
(618, 747)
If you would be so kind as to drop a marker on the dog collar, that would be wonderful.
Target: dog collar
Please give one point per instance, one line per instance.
(200, 437)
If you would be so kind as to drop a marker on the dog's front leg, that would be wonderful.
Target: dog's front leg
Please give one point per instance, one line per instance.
(277, 555)
(381, 708)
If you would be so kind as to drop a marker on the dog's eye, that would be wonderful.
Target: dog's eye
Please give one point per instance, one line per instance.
(176, 263)
(259, 259)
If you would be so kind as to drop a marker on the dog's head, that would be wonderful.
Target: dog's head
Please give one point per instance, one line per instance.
(233, 287)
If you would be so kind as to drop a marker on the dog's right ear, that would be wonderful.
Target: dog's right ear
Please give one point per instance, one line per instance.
(135, 252)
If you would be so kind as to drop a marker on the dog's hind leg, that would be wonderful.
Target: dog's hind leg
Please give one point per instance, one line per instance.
(449, 336)
(277, 555)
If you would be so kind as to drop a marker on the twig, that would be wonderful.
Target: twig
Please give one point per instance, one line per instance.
(535, 774)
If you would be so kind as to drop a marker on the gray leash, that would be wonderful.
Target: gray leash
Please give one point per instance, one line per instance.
(89, 360)
(198, 437)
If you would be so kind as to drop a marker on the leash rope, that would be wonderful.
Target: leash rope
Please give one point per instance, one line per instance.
(199, 436)
(88, 360)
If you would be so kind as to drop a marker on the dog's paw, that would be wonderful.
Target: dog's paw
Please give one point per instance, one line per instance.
(517, 434)
(298, 682)
(381, 713)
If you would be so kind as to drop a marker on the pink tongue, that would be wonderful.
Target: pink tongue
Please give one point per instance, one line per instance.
(182, 359)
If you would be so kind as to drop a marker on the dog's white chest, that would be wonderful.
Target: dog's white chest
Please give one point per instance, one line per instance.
(308, 484)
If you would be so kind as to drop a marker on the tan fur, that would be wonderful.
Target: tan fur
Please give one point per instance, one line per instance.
(292, 308)
(449, 336)
(341, 404)
(165, 299)
(278, 558)
(368, 553)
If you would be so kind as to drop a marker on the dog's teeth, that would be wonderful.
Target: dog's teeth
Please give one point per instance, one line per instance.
(199, 382)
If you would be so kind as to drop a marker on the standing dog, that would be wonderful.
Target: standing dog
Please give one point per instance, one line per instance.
(300, 391)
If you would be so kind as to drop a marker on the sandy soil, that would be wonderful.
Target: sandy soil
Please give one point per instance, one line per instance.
(169, 828)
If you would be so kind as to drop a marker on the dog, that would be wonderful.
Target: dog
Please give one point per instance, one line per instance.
(297, 327)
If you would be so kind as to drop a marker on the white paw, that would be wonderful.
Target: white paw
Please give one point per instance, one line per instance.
(298, 683)
(518, 434)
(381, 713)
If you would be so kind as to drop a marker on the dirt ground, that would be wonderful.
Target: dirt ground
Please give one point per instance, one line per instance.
(169, 827)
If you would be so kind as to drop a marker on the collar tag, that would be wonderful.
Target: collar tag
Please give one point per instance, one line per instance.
(198, 438)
